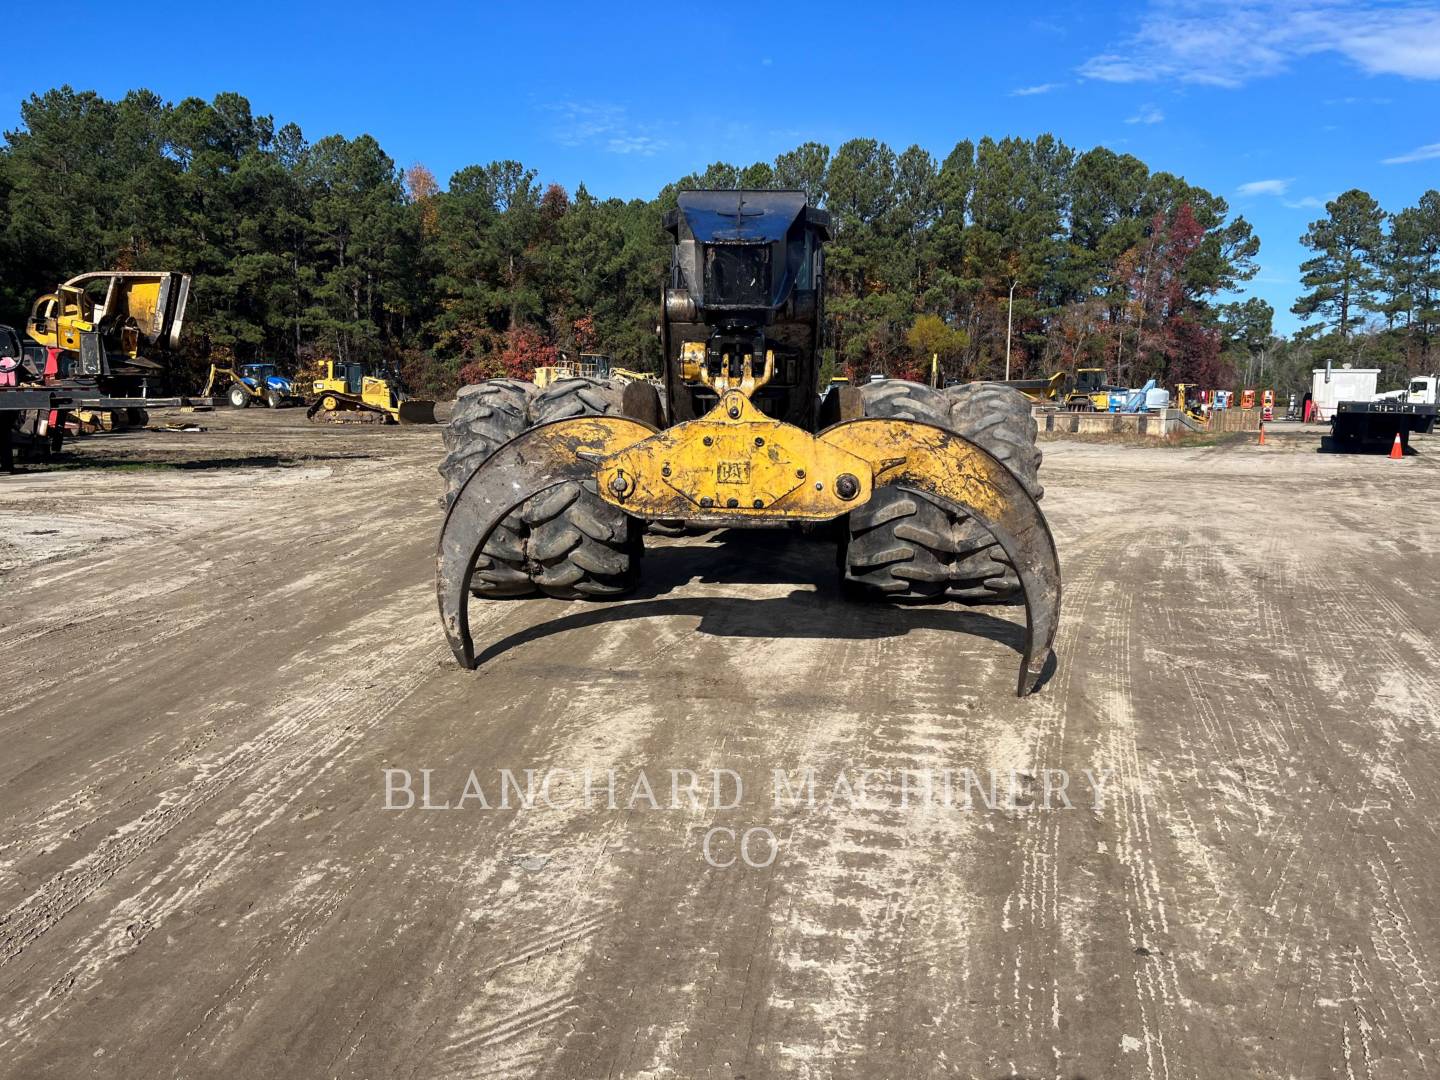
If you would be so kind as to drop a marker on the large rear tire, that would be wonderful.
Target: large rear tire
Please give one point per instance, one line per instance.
(904, 546)
(899, 544)
(997, 418)
(487, 415)
(579, 546)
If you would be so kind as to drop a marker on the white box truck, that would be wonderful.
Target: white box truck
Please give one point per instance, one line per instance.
(1331, 385)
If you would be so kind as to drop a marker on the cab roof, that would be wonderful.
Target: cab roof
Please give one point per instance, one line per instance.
(743, 216)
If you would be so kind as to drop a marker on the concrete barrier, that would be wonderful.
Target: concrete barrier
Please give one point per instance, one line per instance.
(1159, 424)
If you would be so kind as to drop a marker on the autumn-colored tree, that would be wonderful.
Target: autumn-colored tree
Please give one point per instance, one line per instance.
(525, 350)
(585, 335)
(421, 188)
(1165, 333)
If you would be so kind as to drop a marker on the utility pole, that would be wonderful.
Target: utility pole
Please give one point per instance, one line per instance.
(1009, 325)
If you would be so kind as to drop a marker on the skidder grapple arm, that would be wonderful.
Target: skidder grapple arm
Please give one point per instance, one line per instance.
(933, 491)
(737, 467)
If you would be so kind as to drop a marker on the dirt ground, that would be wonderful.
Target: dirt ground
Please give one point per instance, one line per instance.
(216, 644)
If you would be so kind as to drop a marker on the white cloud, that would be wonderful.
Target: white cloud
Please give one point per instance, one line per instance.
(1264, 187)
(634, 144)
(1111, 67)
(1230, 42)
(1148, 114)
(1278, 187)
(1420, 153)
(1029, 91)
(589, 123)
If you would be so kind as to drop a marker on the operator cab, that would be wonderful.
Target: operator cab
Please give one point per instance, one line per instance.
(745, 281)
(352, 372)
(259, 374)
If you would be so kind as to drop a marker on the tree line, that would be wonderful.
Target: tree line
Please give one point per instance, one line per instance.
(302, 249)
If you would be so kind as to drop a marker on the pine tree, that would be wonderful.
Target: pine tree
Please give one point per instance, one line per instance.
(1341, 276)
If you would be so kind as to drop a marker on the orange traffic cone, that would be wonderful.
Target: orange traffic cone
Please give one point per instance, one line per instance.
(1396, 450)
(1262, 435)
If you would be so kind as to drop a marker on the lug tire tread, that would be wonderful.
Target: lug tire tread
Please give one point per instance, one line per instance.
(580, 546)
(486, 416)
(997, 418)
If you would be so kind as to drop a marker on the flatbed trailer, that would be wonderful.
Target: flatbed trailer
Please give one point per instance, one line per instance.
(57, 399)
(1358, 422)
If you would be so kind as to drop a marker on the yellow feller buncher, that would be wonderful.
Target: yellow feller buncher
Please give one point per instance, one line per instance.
(103, 320)
(90, 357)
(346, 391)
(933, 492)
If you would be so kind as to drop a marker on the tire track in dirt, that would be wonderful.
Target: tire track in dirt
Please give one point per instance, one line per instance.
(863, 883)
(308, 732)
(1131, 806)
(1025, 940)
(520, 981)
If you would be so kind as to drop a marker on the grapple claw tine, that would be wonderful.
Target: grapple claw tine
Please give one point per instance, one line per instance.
(526, 466)
(948, 467)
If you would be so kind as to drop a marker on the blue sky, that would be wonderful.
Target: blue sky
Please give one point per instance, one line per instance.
(1275, 106)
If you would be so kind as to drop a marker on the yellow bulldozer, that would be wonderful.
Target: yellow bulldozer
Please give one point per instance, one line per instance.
(345, 390)
(931, 493)
(1090, 392)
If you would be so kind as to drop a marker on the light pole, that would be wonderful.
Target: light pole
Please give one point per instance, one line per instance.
(1009, 324)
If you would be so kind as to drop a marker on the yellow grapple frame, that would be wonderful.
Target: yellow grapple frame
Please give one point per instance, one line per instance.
(737, 467)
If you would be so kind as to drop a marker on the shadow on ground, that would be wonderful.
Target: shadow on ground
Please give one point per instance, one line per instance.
(1374, 448)
(66, 462)
(815, 609)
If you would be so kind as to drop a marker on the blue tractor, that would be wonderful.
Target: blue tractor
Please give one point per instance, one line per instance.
(259, 383)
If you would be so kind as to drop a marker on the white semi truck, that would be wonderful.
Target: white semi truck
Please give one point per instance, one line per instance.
(1421, 391)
